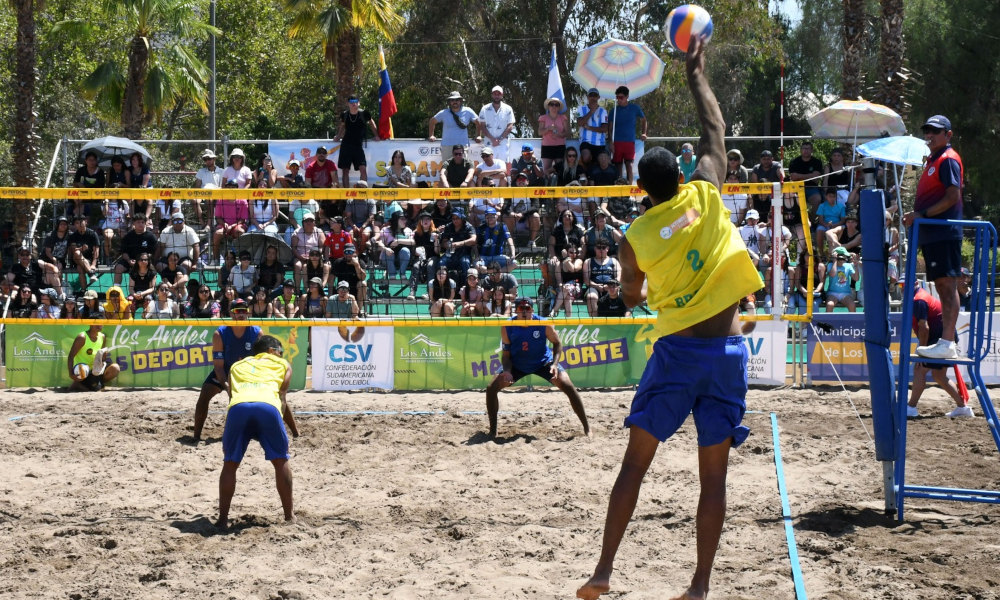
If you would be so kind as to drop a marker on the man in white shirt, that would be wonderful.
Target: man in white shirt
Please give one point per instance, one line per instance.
(755, 239)
(592, 121)
(181, 239)
(210, 176)
(496, 121)
(491, 168)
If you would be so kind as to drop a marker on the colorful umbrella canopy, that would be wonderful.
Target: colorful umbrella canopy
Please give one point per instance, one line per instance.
(900, 150)
(612, 63)
(849, 120)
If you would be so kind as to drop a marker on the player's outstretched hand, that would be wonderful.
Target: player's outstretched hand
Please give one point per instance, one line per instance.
(506, 378)
(695, 59)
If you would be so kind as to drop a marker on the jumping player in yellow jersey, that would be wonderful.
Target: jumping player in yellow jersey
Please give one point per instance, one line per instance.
(688, 262)
(258, 385)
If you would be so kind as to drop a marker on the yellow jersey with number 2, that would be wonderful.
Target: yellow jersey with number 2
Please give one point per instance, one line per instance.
(695, 261)
(258, 379)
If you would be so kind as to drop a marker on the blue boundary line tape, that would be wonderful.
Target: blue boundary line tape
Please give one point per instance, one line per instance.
(786, 514)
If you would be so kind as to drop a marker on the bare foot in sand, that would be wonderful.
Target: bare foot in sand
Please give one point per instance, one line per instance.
(291, 520)
(595, 586)
(222, 524)
(693, 594)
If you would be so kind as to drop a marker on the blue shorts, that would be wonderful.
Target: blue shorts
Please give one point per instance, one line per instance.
(706, 376)
(254, 421)
(212, 380)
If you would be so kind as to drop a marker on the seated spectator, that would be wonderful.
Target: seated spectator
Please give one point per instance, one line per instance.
(165, 210)
(442, 294)
(359, 213)
(138, 172)
(337, 238)
(602, 230)
(286, 304)
(602, 174)
(231, 218)
(892, 247)
(846, 236)
(142, 280)
(499, 303)
(840, 275)
(117, 307)
(477, 206)
(529, 164)
(633, 214)
(964, 289)
(569, 282)
(7, 291)
(394, 245)
(228, 299)
(573, 202)
(398, 174)
(271, 272)
(115, 223)
(611, 303)
(84, 250)
(263, 216)
(736, 165)
(687, 162)
(32, 273)
(352, 270)
(342, 305)
(837, 175)
(597, 272)
(313, 304)
(367, 240)
(228, 264)
(473, 296)
(495, 243)
(296, 210)
(457, 171)
(92, 308)
(294, 179)
(162, 306)
(179, 238)
(455, 243)
(806, 167)
(565, 234)
(23, 304)
(767, 170)
(322, 173)
(441, 213)
(209, 176)
(117, 177)
(203, 306)
(138, 240)
(520, 216)
(618, 207)
(491, 168)
(55, 248)
(737, 204)
(497, 278)
(243, 276)
(261, 307)
(569, 170)
(316, 268)
(305, 239)
(48, 306)
(426, 264)
(265, 175)
(193, 285)
(800, 296)
(70, 309)
(175, 276)
(829, 215)
(754, 240)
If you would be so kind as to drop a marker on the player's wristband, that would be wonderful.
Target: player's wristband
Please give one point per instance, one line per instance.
(506, 347)
(218, 356)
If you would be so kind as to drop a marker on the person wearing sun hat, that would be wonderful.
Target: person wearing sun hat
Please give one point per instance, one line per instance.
(456, 123)
(553, 128)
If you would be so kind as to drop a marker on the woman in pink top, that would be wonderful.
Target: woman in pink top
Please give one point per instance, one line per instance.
(554, 129)
(231, 216)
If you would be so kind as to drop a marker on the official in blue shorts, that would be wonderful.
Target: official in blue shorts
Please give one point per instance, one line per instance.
(526, 352)
(258, 384)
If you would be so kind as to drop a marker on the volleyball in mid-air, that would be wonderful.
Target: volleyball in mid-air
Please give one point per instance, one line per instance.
(81, 370)
(685, 21)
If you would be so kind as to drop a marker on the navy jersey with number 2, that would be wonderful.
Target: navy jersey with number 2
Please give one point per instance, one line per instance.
(529, 349)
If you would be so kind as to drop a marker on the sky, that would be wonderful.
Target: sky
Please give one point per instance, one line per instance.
(788, 7)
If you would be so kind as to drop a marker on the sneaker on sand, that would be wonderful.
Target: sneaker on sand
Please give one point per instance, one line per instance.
(911, 412)
(943, 349)
(961, 411)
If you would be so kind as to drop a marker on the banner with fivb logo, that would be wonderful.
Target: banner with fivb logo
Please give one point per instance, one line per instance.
(149, 356)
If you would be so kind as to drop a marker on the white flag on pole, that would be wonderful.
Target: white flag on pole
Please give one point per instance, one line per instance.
(555, 89)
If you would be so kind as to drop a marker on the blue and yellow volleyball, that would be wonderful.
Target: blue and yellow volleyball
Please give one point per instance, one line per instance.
(685, 21)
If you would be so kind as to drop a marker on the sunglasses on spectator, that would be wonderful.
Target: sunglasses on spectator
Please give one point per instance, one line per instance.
(734, 159)
(685, 151)
(554, 104)
(458, 153)
(240, 310)
(26, 291)
(25, 255)
(934, 130)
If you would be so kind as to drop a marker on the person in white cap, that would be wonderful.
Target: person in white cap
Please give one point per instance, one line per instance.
(496, 121)
(209, 175)
(753, 237)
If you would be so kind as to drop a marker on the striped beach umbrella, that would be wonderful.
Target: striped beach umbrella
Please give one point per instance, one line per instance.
(849, 120)
(612, 63)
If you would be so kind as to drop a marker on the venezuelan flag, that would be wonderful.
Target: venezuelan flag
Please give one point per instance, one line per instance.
(386, 100)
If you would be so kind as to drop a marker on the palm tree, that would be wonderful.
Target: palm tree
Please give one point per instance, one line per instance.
(892, 74)
(25, 146)
(339, 23)
(162, 70)
(854, 31)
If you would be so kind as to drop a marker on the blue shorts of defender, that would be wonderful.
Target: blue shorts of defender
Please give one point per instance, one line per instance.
(704, 376)
(254, 421)
(213, 380)
(545, 372)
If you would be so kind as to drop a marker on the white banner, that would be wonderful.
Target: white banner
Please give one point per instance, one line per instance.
(423, 157)
(351, 358)
(990, 367)
(768, 345)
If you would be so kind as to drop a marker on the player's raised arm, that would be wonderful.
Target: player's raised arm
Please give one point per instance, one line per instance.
(712, 145)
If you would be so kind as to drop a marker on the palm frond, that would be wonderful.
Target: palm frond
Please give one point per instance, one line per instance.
(384, 16)
(160, 91)
(186, 58)
(331, 22)
(73, 28)
(106, 87)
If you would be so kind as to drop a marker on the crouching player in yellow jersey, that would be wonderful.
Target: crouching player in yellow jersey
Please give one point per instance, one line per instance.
(257, 386)
(696, 270)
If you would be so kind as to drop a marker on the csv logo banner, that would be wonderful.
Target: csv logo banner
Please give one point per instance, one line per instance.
(351, 358)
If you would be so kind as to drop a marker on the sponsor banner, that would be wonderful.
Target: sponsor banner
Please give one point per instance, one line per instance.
(160, 356)
(768, 346)
(423, 157)
(844, 346)
(346, 358)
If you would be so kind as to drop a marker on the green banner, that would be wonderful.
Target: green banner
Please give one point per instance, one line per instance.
(149, 355)
(469, 357)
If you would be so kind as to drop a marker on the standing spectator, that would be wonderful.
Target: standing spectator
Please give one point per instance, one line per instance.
(611, 303)
(491, 168)
(342, 305)
(312, 305)
(473, 296)
(553, 128)
(117, 177)
(807, 167)
(336, 239)
(352, 270)
(88, 176)
(455, 122)
(892, 249)
(271, 272)
(830, 215)
(322, 173)
(398, 174)
(142, 280)
(736, 164)
(265, 175)
(285, 305)
(456, 242)
(84, 249)
(767, 170)
(457, 171)
(939, 197)
(177, 238)
(597, 273)
(570, 170)
(528, 163)
(625, 117)
(442, 294)
(243, 277)
(92, 308)
(494, 239)
(840, 275)
(305, 239)
(687, 162)
(592, 121)
(115, 222)
(791, 215)
(353, 129)
(394, 245)
(426, 264)
(138, 173)
(602, 230)
(496, 121)
(175, 276)
(208, 176)
(837, 175)
(55, 248)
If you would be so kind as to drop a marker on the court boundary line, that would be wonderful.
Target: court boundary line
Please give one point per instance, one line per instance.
(786, 514)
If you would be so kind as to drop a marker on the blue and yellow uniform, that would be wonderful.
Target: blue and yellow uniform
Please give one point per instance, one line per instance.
(529, 351)
(696, 266)
(254, 412)
(234, 349)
